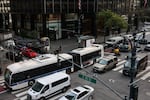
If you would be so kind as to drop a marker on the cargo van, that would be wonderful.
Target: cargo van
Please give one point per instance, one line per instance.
(48, 86)
(114, 40)
(140, 64)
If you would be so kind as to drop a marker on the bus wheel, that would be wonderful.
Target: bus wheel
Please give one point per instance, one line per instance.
(64, 89)
(43, 98)
(31, 83)
(90, 97)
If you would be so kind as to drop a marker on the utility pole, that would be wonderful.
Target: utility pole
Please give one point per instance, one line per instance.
(133, 88)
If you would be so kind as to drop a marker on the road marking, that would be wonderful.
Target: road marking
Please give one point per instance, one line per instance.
(56, 97)
(18, 91)
(147, 68)
(1, 78)
(111, 80)
(118, 68)
(2, 81)
(23, 98)
(21, 94)
(145, 76)
(120, 71)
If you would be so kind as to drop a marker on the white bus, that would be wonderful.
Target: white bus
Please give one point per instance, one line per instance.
(86, 56)
(24, 73)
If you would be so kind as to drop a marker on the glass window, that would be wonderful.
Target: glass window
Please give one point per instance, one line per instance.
(103, 62)
(70, 96)
(59, 82)
(37, 87)
(45, 88)
(82, 94)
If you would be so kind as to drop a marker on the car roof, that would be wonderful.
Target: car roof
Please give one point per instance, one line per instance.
(109, 57)
(78, 90)
(117, 37)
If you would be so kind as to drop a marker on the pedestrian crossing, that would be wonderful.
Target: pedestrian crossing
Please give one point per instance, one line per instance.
(22, 93)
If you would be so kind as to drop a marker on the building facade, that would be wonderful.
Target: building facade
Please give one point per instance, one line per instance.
(60, 18)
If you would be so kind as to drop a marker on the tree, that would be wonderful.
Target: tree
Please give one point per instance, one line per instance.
(109, 19)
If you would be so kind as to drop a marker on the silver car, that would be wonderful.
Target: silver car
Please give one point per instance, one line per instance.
(84, 92)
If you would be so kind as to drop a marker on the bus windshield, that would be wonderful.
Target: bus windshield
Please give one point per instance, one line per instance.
(7, 75)
(37, 87)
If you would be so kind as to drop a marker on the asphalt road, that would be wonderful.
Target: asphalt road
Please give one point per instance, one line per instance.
(113, 79)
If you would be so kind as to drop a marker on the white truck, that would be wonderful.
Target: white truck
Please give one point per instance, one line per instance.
(49, 85)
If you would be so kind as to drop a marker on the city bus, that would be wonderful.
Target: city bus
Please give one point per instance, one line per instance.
(87, 55)
(24, 73)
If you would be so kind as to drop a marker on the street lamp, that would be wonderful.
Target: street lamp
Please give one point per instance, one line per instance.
(133, 88)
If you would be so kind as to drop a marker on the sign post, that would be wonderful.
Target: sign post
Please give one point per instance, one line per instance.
(87, 78)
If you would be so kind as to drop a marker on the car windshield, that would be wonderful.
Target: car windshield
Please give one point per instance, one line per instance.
(70, 96)
(103, 62)
(37, 86)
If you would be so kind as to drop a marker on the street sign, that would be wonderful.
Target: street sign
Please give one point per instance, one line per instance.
(87, 78)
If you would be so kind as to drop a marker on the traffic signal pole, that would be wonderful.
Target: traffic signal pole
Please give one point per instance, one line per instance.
(132, 70)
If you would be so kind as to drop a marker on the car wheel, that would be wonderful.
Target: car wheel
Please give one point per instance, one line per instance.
(91, 97)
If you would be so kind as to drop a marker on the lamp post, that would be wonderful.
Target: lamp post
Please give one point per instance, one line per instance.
(132, 69)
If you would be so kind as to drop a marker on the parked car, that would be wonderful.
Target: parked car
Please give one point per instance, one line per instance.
(14, 56)
(105, 63)
(84, 92)
(28, 52)
(147, 47)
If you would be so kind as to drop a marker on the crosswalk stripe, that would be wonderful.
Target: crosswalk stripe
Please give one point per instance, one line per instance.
(141, 73)
(121, 66)
(18, 91)
(23, 98)
(2, 81)
(120, 71)
(56, 97)
(2, 84)
(145, 76)
(1, 78)
(21, 94)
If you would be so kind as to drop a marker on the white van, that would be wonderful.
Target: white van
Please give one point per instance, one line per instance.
(114, 40)
(49, 85)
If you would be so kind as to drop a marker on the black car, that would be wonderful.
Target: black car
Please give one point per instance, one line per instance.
(14, 56)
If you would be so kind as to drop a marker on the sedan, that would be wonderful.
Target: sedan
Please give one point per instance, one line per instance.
(84, 92)
(28, 52)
